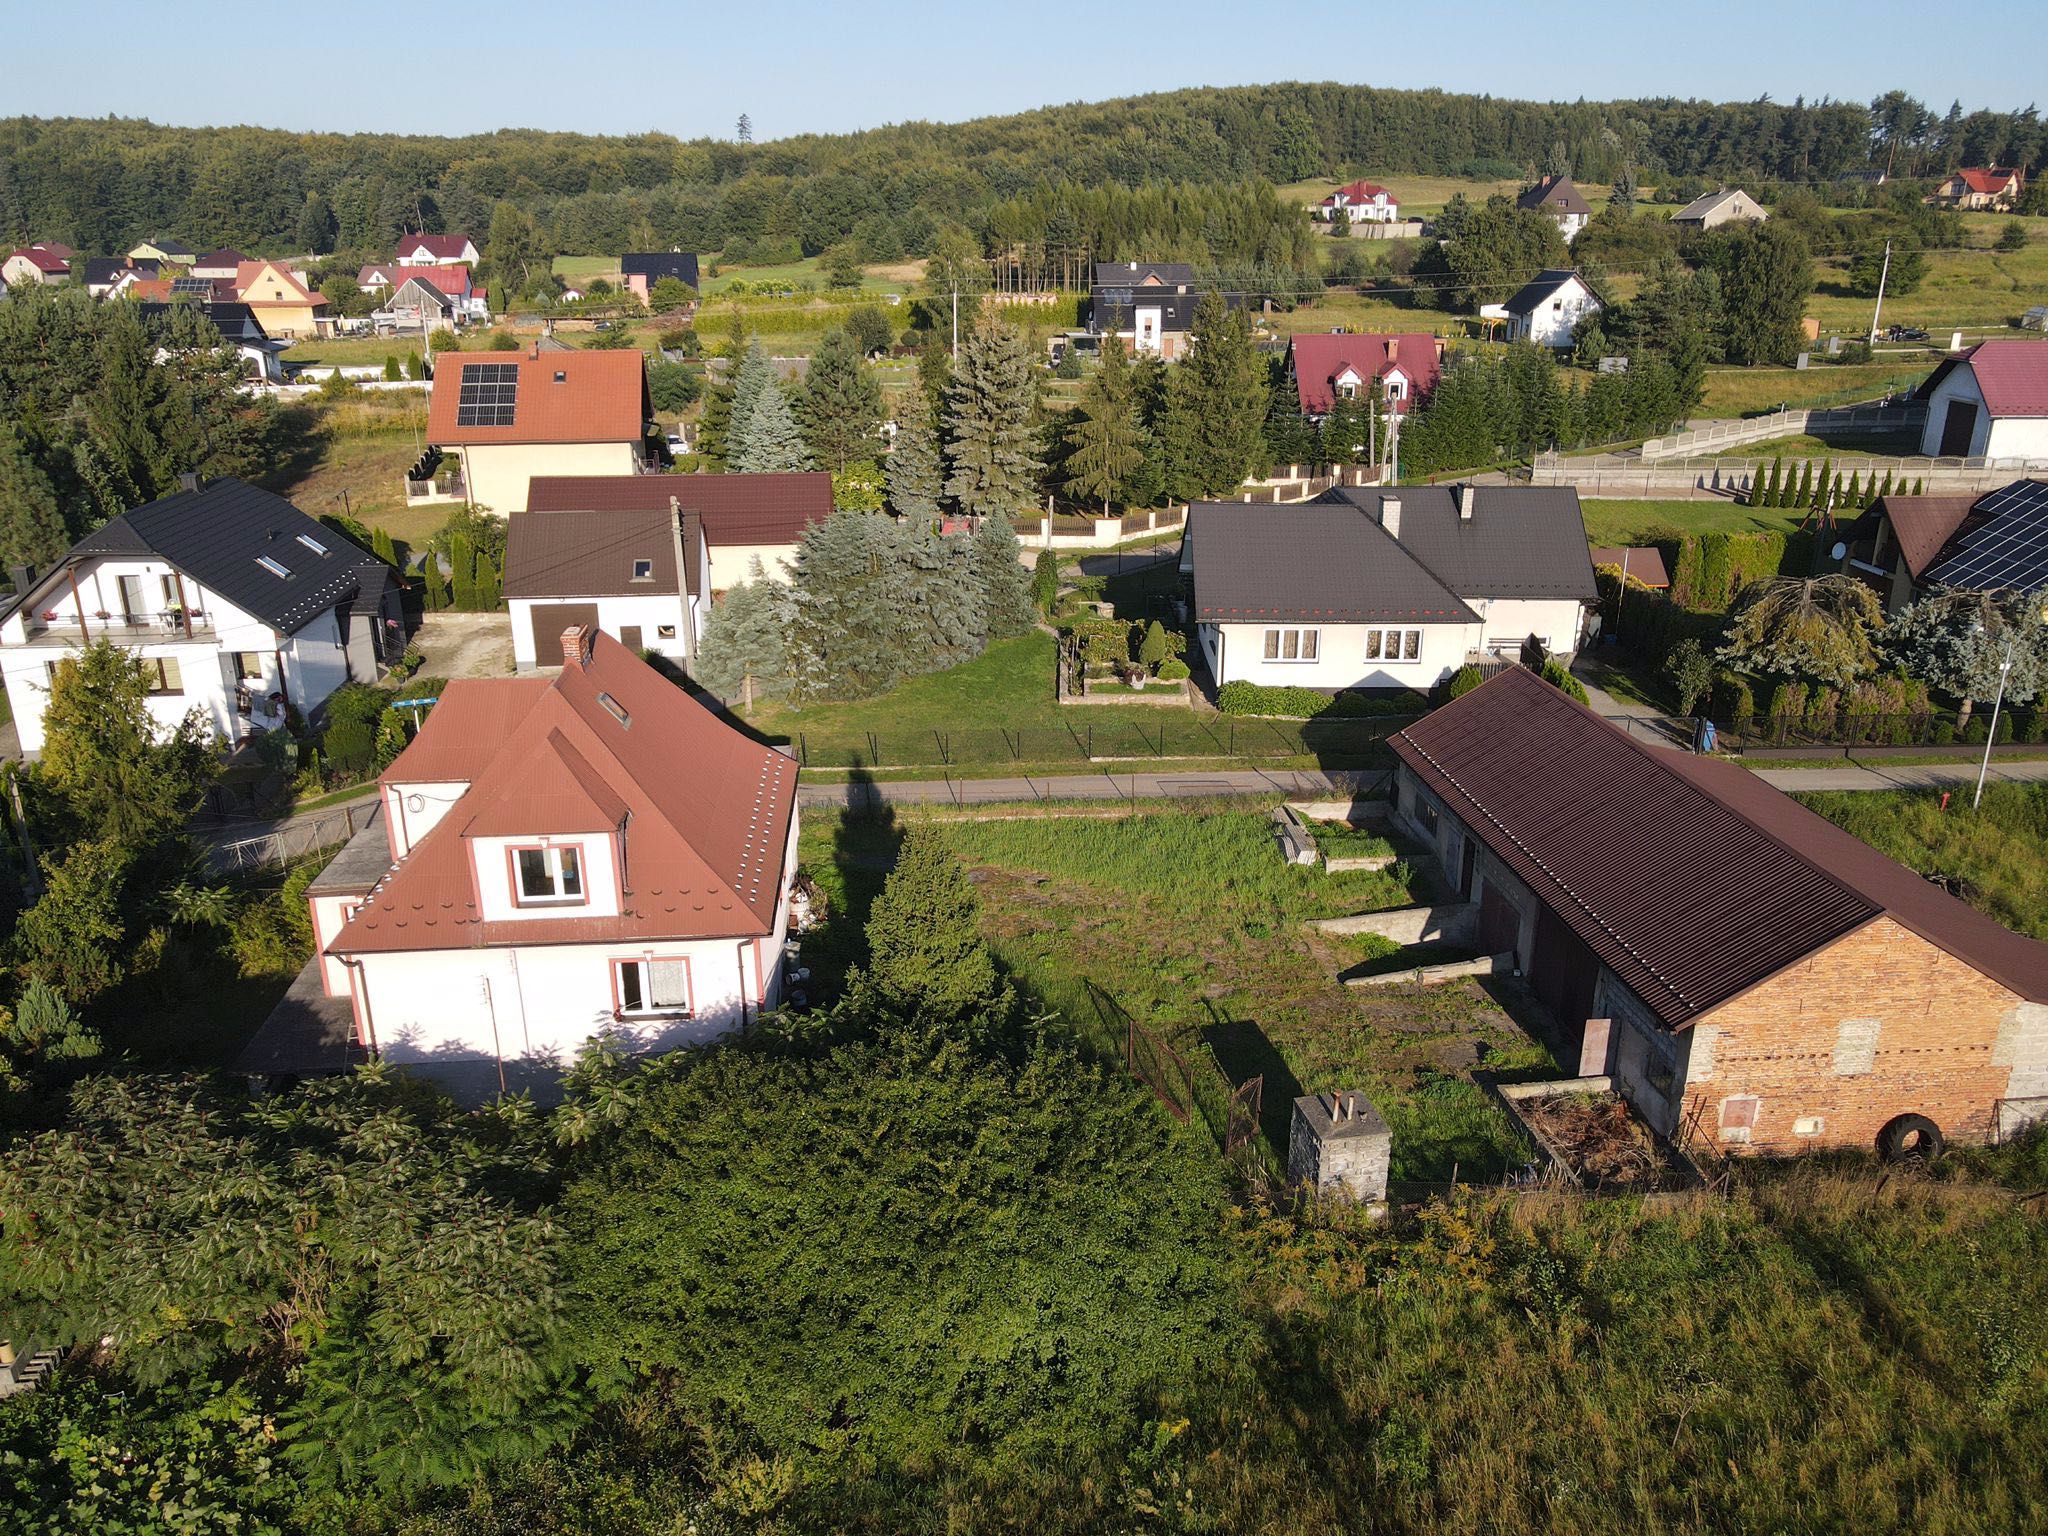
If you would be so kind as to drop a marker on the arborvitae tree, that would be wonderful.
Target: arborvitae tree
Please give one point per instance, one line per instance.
(1005, 584)
(1104, 450)
(1153, 649)
(1852, 499)
(947, 601)
(852, 633)
(31, 523)
(744, 655)
(462, 556)
(1228, 392)
(840, 405)
(487, 590)
(1920, 485)
(1774, 479)
(1804, 496)
(381, 547)
(915, 474)
(1824, 487)
(992, 464)
(1887, 489)
(436, 596)
(1045, 581)
(926, 955)
(771, 442)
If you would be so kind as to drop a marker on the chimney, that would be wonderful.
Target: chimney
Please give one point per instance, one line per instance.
(23, 577)
(576, 646)
(1468, 497)
(188, 481)
(1393, 349)
(1390, 515)
(536, 348)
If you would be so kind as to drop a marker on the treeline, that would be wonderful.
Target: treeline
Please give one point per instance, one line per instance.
(101, 184)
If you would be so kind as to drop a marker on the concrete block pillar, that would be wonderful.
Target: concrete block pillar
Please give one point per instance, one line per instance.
(1341, 1144)
(1593, 1047)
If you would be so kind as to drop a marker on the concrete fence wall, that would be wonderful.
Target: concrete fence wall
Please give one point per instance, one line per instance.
(1715, 435)
(1727, 476)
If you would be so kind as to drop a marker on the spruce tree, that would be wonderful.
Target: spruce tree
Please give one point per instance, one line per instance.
(926, 955)
(991, 458)
(851, 630)
(31, 523)
(947, 603)
(772, 443)
(744, 656)
(1228, 393)
(840, 405)
(1005, 584)
(913, 467)
(1104, 450)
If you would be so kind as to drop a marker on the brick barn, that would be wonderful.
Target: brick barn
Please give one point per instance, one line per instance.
(1769, 982)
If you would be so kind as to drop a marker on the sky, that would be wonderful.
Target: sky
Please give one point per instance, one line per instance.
(809, 66)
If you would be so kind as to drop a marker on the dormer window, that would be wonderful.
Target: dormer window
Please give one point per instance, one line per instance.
(548, 875)
(643, 570)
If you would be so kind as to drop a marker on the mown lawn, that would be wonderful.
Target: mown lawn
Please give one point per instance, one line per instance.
(1619, 520)
(1185, 918)
(1732, 392)
(1994, 857)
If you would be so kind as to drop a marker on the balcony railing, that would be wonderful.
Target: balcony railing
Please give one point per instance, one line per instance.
(447, 488)
(122, 629)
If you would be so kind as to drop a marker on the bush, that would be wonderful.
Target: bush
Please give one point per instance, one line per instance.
(1153, 649)
(1554, 674)
(1173, 669)
(393, 372)
(1854, 352)
(1460, 683)
(1734, 703)
(350, 745)
(1243, 698)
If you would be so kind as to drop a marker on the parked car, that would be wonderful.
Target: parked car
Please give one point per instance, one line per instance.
(1906, 333)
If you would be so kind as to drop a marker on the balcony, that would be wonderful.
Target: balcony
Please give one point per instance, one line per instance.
(53, 629)
(421, 493)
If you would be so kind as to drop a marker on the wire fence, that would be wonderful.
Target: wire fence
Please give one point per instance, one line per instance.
(298, 838)
(1161, 735)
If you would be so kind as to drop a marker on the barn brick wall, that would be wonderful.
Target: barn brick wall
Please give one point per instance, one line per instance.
(1879, 1023)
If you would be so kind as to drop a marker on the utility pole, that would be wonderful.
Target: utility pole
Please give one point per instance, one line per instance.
(1884, 273)
(956, 322)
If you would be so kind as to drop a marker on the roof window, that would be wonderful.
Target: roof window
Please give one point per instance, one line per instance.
(643, 570)
(616, 710)
(313, 544)
(274, 567)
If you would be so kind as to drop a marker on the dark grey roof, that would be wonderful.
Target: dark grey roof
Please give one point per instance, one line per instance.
(1541, 287)
(236, 322)
(593, 554)
(1131, 274)
(171, 247)
(655, 265)
(1554, 194)
(1323, 560)
(108, 269)
(216, 534)
(1521, 540)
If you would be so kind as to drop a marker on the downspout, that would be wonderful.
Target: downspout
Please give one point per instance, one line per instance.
(359, 991)
(740, 968)
(686, 620)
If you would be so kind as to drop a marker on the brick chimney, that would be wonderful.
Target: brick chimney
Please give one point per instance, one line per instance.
(576, 642)
(1390, 515)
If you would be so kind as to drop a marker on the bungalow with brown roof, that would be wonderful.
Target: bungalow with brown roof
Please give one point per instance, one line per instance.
(591, 854)
(1744, 972)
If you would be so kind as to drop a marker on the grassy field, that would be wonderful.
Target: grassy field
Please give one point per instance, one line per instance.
(354, 463)
(1419, 196)
(1751, 391)
(1995, 857)
(1187, 920)
(1974, 286)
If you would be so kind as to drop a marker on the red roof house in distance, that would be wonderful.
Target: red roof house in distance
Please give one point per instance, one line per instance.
(35, 264)
(592, 853)
(1361, 202)
(1993, 188)
(603, 551)
(436, 251)
(509, 416)
(1402, 367)
(1990, 401)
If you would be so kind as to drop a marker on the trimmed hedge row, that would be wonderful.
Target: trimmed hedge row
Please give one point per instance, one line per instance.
(1242, 698)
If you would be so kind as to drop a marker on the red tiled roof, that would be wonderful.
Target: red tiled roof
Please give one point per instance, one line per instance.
(2011, 375)
(453, 281)
(1980, 179)
(1357, 191)
(705, 810)
(440, 247)
(1319, 359)
(43, 259)
(469, 725)
(56, 248)
(563, 397)
(1923, 524)
(1691, 879)
(737, 509)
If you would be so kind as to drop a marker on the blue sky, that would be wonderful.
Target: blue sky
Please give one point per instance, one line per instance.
(815, 67)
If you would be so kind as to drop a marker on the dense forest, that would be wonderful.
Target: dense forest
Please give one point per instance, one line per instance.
(101, 184)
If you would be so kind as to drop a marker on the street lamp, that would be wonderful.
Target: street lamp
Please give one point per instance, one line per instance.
(2012, 641)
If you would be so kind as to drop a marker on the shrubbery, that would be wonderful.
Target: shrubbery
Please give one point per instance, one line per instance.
(1243, 698)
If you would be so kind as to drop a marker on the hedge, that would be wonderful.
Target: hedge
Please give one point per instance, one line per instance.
(1242, 698)
(1713, 568)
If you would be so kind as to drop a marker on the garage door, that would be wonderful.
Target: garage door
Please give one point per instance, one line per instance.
(1957, 428)
(1563, 970)
(1499, 923)
(549, 620)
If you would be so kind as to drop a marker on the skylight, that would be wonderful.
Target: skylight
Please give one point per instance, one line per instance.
(313, 544)
(272, 566)
(643, 570)
(615, 709)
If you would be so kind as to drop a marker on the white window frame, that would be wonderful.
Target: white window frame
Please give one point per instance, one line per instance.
(641, 969)
(563, 865)
(1407, 645)
(1306, 645)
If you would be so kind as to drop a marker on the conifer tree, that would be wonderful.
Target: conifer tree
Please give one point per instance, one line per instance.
(436, 596)
(915, 474)
(1104, 450)
(1774, 478)
(382, 548)
(1228, 393)
(1920, 485)
(31, 523)
(840, 405)
(947, 602)
(1005, 584)
(487, 590)
(991, 457)
(1804, 497)
(744, 656)
(1887, 490)
(1852, 499)
(1824, 487)
(462, 556)
(1045, 581)
(771, 443)
(852, 633)
(926, 954)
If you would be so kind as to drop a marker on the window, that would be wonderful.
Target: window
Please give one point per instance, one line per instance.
(615, 709)
(313, 544)
(272, 566)
(666, 631)
(548, 874)
(163, 674)
(1293, 644)
(1348, 389)
(249, 666)
(651, 986)
(1393, 645)
(643, 570)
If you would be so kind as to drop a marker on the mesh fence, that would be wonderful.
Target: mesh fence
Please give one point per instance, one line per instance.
(1118, 738)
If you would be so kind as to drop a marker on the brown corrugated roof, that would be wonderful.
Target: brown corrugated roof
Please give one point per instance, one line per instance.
(737, 509)
(468, 727)
(1923, 524)
(1691, 880)
(563, 397)
(592, 554)
(1645, 562)
(706, 811)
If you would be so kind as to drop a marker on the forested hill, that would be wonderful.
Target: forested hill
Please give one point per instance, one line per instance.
(100, 184)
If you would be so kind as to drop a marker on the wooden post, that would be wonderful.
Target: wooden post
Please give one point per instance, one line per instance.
(78, 602)
(184, 608)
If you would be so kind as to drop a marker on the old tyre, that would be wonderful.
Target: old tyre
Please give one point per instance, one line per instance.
(1910, 1138)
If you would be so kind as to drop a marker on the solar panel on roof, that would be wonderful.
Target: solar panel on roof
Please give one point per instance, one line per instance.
(2008, 550)
(203, 286)
(488, 395)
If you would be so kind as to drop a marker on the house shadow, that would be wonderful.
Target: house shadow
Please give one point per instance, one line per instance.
(1243, 1051)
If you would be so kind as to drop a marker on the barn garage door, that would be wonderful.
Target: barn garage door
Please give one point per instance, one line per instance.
(1563, 971)
(1498, 921)
(549, 620)
(1957, 428)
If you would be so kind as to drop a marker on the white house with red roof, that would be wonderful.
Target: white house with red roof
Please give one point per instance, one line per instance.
(593, 853)
(1361, 202)
(39, 263)
(437, 251)
(1981, 189)
(1989, 402)
(1402, 369)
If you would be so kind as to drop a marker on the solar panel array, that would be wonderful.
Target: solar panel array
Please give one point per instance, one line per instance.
(201, 286)
(488, 396)
(2008, 550)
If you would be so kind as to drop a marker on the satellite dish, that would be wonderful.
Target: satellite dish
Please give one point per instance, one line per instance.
(1839, 550)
